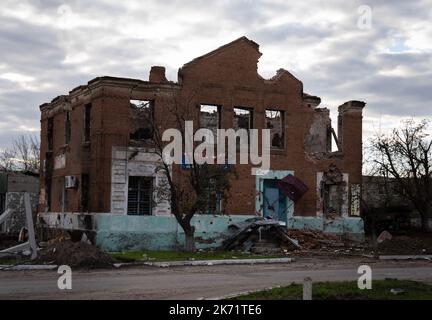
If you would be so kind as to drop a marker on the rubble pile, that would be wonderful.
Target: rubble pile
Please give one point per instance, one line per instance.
(259, 236)
(74, 254)
(314, 239)
(270, 236)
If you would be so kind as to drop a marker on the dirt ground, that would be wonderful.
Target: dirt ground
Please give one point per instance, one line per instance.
(7, 242)
(410, 243)
(316, 244)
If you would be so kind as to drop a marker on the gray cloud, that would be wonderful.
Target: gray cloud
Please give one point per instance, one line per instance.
(50, 47)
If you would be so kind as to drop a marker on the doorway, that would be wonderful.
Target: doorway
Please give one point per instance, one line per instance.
(275, 201)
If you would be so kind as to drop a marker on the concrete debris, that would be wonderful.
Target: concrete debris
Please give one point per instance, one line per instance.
(269, 236)
(397, 291)
(385, 235)
(259, 236)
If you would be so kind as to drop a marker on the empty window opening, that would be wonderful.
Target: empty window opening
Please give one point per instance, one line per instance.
(334, 141)
(67, 127)
(210, 117)
(85, 188)
(65, 198)
(48, 165)
(87, 122)
(142, 117)
(2, 202)
(243, 118)
(140, 196)
(50, 134)
(275, 122)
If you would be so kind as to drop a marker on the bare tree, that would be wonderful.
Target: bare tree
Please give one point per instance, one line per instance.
(22, 156)
(7, 160)
(406, 156)
(194, 188)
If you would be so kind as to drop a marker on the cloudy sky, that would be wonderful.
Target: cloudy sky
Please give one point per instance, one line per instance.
(49, 47)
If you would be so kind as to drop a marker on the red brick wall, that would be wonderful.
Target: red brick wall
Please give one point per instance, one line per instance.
(227, 78)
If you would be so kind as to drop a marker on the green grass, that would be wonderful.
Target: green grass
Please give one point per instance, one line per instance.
(413, 290)
(183, 256)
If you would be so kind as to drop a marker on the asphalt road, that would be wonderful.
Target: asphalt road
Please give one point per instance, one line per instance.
(197, 282)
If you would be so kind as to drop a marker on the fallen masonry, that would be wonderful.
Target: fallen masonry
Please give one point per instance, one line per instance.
(270, 236)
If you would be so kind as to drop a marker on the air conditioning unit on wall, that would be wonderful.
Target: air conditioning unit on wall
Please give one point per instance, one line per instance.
(70, 182)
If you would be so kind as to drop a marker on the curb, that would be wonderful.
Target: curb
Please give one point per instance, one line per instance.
(23, 267)
(406, 257)
(205, 262)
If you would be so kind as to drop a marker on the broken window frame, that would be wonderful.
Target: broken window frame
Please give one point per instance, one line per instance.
(138, 136)
(282, 129)
(87, 122)
(144, 197)
(67, 127)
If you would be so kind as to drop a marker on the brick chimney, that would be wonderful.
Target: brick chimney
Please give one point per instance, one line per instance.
(350, 132)
(157, 74)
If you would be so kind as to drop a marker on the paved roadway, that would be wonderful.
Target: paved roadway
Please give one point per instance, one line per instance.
(198, 282)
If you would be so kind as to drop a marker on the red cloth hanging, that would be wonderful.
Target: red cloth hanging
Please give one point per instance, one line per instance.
(293, 187)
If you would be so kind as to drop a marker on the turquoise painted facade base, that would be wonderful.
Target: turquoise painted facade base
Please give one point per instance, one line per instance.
(115, 232)
(128, 233)
(350, 227)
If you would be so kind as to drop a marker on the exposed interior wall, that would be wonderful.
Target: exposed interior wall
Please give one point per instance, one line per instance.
(318, 138)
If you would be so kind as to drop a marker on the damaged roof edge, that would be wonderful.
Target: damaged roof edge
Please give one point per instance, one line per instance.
(57, 100)
(222, 48)
(351, 105)
(279, 74)
(103, 80)
(315, 100)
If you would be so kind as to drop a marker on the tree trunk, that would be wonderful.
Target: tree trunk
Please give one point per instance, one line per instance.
(189, 241)
(424, 222)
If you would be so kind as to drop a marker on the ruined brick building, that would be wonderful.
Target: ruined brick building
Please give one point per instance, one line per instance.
(99, 174)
